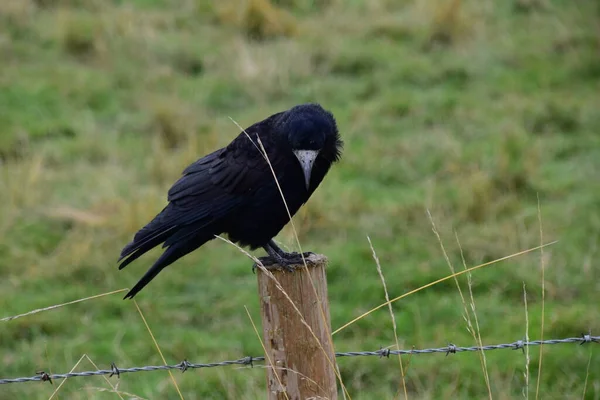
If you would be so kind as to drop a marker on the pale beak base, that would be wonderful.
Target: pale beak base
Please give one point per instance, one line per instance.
(307, 159)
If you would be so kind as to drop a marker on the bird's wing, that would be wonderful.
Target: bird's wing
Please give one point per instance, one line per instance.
(235, 170)
(228, 175)
(212, 188)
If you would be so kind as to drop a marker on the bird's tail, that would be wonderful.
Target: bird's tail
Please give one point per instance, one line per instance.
(179, 240)
(150, 236)
(169, 256)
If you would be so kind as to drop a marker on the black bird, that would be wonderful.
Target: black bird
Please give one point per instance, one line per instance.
(233, 190)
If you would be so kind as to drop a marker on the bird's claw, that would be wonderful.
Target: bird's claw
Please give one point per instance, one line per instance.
(296, 255)
(287, 262)
(265, 261)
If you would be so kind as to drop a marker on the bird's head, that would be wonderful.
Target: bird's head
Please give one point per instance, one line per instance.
(312, 133)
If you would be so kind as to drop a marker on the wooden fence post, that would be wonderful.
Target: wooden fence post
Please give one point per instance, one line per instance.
(298, 366)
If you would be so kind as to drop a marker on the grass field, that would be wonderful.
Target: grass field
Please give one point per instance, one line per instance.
(471, 110)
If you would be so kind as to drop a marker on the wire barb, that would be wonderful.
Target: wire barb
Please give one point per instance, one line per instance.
(249, 361)
(588, 338)
(451, 349)
(184, 365)
(384, 352)
(44, 377)
(115, 371)
(519, 344)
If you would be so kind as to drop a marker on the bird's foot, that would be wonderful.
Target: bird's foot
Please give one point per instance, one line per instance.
(270, 263)
(296, 255)
(287, 261)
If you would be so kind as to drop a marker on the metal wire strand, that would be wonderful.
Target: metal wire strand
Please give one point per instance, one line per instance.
(248, 361)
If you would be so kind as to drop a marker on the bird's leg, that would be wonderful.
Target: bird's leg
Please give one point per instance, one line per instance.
(285, 254)
(278, 256)
(275, 248)
(292, 257)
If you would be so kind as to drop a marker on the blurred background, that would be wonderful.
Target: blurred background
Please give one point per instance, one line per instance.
(476, 111)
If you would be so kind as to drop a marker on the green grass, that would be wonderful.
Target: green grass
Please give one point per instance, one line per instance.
(468, 109)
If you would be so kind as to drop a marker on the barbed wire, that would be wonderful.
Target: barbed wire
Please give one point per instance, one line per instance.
(385, 352)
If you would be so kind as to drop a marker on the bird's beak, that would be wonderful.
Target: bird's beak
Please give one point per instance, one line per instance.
(307, 159)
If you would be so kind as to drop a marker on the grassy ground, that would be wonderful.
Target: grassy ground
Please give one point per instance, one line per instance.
(469, 109)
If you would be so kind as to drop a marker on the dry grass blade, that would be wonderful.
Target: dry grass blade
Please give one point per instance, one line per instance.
(542, 266)
(473, 330)
(130, 396)
(113, 387)
(527, 359)
(157, 347)
(387, 298)
(61, 305)
(587, 374)
(263, 152)
(440, 280)
(262, 344)
(64, 380)
(477, 333)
